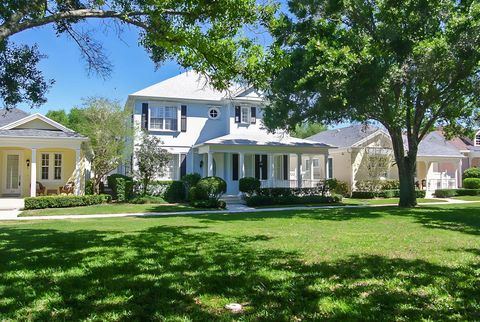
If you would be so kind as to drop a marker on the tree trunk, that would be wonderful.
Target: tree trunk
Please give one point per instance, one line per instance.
(407, 165)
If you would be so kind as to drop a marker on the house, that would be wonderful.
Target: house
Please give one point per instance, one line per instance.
(439, 163)
(220, 133)
(469, 148)
(38, 156)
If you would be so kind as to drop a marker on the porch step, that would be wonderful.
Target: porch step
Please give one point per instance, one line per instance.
(232, 199)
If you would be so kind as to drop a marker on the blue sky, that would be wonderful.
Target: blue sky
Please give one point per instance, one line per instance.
(132, 68)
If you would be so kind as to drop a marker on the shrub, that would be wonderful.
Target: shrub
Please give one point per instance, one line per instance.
(89, 187)
(190, 180)
(147, 200)
(468, 192)
(64, 201)
(249, 185)
(471, 173)
(195, 194)
(338, 187)
(215, 187)
(155, 188)
(471, 183)
(393, 193)
(283, 192)
(175, 192)
(363, 194)
(390, 184)
(209, 203)
(445, 193)
(264, 200)
(126, 188)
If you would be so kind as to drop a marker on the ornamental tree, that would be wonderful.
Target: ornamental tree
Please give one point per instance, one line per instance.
(205, 35)
(409, 65)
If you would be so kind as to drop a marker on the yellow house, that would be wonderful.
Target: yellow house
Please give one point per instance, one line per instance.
(38, 156)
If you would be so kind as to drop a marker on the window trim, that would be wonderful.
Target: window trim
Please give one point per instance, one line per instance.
(242, 109)
(214, 108)
(476, 139)
(163, 106)
(51, 167)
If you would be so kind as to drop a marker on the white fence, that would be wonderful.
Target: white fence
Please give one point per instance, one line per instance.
(443, 183)
(276, 183)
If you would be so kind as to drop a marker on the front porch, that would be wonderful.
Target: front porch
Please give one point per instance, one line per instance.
(433, 174)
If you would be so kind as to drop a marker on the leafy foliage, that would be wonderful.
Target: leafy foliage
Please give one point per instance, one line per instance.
(305, 130)
(471, 183)
(249, 185)
(64, 201)
(214, 187)
(471, 173)
(175, 192)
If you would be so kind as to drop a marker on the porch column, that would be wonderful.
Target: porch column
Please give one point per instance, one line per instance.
(271, 167)
(299, 170)
(310, 160)
(458, 173)
(210, 164)
(325, 156)
(241, 166)
(33, 173)
(77, 172)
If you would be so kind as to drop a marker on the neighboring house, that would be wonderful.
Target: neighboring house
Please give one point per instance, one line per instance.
(470, 149)
(217, 133)
(439, 163)
(38, 155)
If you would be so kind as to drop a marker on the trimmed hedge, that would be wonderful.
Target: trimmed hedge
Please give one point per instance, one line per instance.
(283, 192)
(214, 187)
(249, 185)
(448, 193)
(471, 173)
(175, 192)
(393, 193)
(65, 201)
(122, 186)
(263, 200)
(209, 203)
(471, 183)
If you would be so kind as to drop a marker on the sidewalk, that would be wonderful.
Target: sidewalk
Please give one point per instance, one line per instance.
(231, 209)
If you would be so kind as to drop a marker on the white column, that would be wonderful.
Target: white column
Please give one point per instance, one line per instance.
(210, 164)
(326, 165)
(204, 166)
(310, 160)
(241, 166)
(77, 172)
(458, 173)
(271, 168)
(299, 170)
(33, 173)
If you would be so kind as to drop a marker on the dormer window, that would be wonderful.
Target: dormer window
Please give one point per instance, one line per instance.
(477, 139)
(245, 115)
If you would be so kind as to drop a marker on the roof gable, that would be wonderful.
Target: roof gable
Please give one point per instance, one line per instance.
(346, 137)
(36, 121)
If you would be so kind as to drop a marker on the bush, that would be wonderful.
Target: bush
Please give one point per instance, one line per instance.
(445, 193)
(249, 185)
(89, 187)
(338, 187)
(209, 203)
(364, 194)
(195, 194)
(471, 183)
(64, 201)
(175, 192)
(215, 187)
(283, 192)
(264, 200)
(471, 173)
(190, 180)
(147, 200)
(468, 192)
(390, 184)
(126, 186)
(393, 193)
(155, 188)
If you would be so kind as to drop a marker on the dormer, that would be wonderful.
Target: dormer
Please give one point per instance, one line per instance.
(476, 140)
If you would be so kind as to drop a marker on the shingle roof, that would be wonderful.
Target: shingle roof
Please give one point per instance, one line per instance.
(264, 139)
(39, 133)
(12, 115)
(434, 144)
(344, 137)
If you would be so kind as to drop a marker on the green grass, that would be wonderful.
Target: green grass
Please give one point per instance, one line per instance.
(383, 201)
(113, 208)
(380, 264)
(467, 198)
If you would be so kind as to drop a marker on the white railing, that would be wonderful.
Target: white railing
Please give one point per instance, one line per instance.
(276, 183)
(442, 183)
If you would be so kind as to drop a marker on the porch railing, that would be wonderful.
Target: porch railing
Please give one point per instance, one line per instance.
(442, 183)
(276, 183)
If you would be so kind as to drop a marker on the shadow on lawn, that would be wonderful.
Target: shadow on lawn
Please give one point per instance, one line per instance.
(180, 273)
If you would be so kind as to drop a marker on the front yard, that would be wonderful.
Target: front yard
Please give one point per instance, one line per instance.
(316, 264)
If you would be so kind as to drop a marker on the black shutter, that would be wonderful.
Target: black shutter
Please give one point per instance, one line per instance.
(285, 167)
(235, 167)
(253, 115)
(237, 114)
(264, 167)
(183, 165)
(257, 166)
(144, 123)
(183, 119)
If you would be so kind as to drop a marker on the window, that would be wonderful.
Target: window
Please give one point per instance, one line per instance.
(245, 118)
(57, 170)
(477, 139)
(330, 168)
(45, 165)
(316, 163)
(172, 168)
(214, 113)
(163, 118)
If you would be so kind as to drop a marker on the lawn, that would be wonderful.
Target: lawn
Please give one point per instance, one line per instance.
(383, 201)
(379, 263)
(467, 198)
(112, 208)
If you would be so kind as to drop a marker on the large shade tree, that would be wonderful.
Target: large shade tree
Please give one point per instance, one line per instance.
(410, 65)
(206, 35)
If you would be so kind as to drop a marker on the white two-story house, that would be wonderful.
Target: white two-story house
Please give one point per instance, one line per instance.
(216, 133)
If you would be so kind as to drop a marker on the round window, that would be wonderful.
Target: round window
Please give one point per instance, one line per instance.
(214, 113)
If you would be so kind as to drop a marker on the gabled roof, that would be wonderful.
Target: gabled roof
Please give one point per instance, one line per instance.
(192, 86)
(11, 115)
(434, 144)
(346, 137)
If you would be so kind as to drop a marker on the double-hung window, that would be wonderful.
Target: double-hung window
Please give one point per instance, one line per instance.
(51, 166)
(163, 118)
(245, 117)
(45, 165)
(57, 169)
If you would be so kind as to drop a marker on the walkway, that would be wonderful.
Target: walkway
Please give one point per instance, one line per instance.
(232, 209)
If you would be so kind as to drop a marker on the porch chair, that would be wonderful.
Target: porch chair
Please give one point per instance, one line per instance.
(68, 188)
(40, 189)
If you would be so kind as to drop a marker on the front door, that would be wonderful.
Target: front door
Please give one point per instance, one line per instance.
(13, 173)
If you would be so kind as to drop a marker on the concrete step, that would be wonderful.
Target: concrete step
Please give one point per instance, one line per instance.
(232, 199)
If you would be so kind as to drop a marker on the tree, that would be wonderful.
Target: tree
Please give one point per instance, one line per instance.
(305, 130)
(151, 159)
(205, 35)
(409, 65)
(59, 116)
(108, 127)
(72, 120)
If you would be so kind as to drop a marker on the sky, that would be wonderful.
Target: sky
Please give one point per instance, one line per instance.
(132, 68)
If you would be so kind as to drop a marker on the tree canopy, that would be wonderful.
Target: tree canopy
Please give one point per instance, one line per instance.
(209, 36)
(410, 65)
(305, 130)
